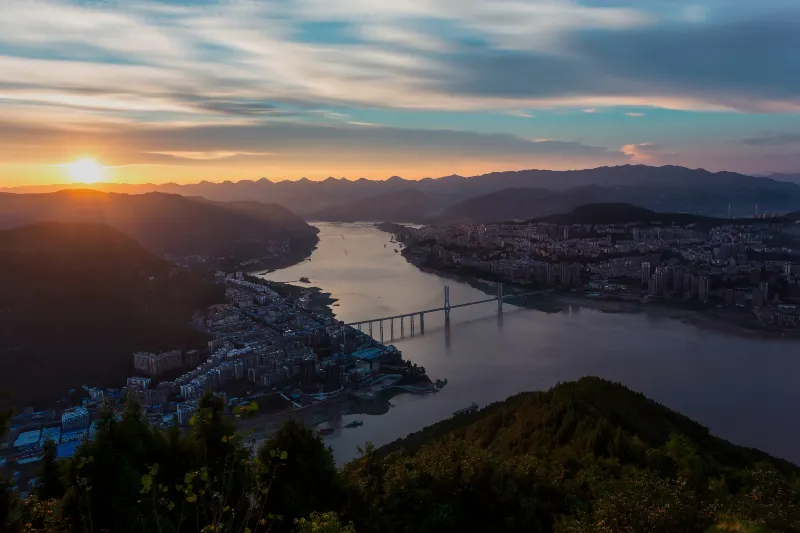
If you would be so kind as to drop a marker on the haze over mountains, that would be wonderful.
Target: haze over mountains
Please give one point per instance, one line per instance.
(513, 194)
(170, 223)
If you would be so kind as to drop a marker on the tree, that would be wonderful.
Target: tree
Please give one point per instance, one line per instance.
(8, 500)
(51, 479)
(306, 479)
(323, 523)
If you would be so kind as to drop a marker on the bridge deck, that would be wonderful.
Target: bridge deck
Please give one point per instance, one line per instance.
(505, 297)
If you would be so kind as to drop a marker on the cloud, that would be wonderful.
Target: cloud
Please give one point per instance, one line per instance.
(207, 156)
(634, 114)
(647, 153)
(521, 114)
(774, 140)
(589, 110)
(243, 58)
(295, 144)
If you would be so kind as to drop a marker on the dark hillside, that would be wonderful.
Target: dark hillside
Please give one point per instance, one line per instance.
(78, 299)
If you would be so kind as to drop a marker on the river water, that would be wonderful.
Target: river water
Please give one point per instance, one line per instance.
(744, 389)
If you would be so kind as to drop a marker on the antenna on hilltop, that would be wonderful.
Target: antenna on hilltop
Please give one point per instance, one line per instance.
(729, 210)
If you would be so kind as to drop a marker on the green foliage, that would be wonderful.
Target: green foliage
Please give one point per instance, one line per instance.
(322, 523)
(51, 479)
(584, 457)
(305, 475)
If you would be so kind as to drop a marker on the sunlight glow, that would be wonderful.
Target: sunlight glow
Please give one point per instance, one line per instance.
(86, 171)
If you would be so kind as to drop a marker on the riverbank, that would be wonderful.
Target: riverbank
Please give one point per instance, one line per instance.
(732, 321)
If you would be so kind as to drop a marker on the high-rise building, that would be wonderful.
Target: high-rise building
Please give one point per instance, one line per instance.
(645, 272)
(740, 297)
(153, 365)
(703, 288)
(758, 298)
(677, 279)
(577, 272)
(566, 274)
(763, 288)
(730, 297)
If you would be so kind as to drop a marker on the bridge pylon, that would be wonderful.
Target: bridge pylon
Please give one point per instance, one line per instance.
(499, 298)
(446, 303)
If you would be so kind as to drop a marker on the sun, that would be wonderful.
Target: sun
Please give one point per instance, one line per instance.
(86, 171)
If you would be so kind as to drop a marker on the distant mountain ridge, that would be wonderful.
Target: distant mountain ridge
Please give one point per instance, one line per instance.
(168, 223)
(666, 188)
(76, 301)
(407, 205)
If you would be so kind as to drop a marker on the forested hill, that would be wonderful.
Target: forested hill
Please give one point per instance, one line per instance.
(76, 300)
(585, 457)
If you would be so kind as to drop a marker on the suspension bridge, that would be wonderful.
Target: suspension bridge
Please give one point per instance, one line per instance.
(418, 317)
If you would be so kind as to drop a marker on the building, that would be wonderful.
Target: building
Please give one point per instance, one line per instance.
(763, 288)
(155, 364)
(138, 383)
(703, 288)
(186, 410)
(368, 359)
(28, 440)
(645, 273)
(77, 417)
(740, 298)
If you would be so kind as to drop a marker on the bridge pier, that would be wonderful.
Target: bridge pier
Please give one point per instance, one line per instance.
(499, 298)
(422, 323)
(370, 329)
(402, 328)
(391, 329)
(381, 331)
(411, 323)
(446, 303)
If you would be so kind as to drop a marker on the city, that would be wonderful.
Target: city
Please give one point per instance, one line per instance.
(263, 346)
(739, 265)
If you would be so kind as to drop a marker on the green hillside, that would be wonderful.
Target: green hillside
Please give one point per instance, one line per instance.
(584, 457)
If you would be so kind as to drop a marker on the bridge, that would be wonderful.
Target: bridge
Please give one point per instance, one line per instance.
(446, 308)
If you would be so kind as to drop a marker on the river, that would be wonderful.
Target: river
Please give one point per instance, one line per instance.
(744, 389)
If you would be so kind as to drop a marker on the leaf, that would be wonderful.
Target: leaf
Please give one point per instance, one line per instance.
(192, 498)
(247, 530)
(171, 506)
(284, 455)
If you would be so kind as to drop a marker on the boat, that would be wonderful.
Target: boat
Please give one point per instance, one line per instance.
(355, 424)
(467, 410)
(304, 280)
(441, 382)
(325, 431)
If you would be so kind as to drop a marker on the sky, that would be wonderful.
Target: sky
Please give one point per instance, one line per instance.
(190, 90)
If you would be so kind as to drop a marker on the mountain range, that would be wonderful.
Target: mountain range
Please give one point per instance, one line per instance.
(77, 300)
(170, 223)
(513, 194)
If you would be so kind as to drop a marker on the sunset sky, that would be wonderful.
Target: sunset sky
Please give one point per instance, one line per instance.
(190, 90)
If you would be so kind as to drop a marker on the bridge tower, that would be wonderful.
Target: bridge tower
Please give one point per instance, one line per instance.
(446, 303)
(499, 298)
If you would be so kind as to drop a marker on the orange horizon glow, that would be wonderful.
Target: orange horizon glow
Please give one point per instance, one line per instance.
(88, 172)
